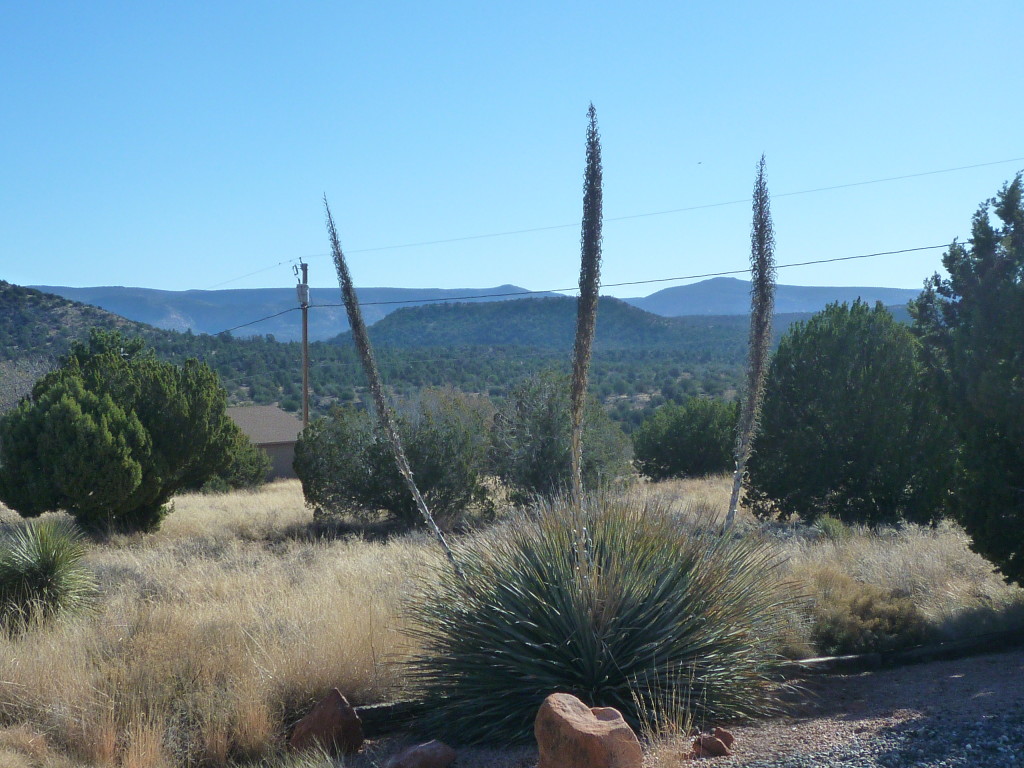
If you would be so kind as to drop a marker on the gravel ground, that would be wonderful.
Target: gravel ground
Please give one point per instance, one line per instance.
(968, 712)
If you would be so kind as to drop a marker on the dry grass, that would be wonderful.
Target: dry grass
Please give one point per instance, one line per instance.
(955, 590)
(213, 635)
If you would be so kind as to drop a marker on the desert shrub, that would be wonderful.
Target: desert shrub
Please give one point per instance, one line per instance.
(689, 440)
(847, 429)
(833, 528)
(112, 435)
(648, 607)
(346, 464)
(852, 617)
(41, 572)
(531, 440)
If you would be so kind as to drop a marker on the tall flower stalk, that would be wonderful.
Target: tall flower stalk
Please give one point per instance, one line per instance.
(384, 415)
(762, 304)
(586, 308)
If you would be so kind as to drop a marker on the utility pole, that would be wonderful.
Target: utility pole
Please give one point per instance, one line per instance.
(302, 289)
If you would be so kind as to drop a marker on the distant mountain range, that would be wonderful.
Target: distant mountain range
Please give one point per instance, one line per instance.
(729, 296)
(215, 311)
(475, 345)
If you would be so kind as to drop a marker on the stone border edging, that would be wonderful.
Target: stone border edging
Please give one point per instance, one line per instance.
(864, 662)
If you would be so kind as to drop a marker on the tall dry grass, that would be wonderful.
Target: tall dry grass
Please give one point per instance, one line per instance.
(930, 574)
(212, 636)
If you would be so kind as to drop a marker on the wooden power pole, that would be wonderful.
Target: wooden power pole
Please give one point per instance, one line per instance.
(302, 290)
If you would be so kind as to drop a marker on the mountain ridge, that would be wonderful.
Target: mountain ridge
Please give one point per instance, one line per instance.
(215, 311)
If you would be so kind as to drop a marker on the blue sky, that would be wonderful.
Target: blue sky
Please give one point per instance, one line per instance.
(185, 145)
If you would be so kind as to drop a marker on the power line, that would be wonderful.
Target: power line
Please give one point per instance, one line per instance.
(605, 285)
(705, 206)
(253, 322)
(639, 282)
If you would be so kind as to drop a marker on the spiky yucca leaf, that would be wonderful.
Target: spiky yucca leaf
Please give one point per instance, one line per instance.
(648, 601)
(41, 571)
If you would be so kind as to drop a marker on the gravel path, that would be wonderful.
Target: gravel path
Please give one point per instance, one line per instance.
(968, 712)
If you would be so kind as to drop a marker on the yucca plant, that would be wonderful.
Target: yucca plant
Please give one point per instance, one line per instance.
(586, 306)
(385, 418)
(650, 613)
(41, 572)
(762, 307)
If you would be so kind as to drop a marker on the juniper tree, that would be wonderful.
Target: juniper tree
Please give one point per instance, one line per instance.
(971, 326)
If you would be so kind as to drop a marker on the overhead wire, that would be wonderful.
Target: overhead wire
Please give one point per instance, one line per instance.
(648, 214)
(650, 281)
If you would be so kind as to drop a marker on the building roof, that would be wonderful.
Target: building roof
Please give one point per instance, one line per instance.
(266, 424)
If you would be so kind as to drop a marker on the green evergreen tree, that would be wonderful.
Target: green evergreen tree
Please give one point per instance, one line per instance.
(113, 434)
(972, 329)
(847, 429)
(346, 463)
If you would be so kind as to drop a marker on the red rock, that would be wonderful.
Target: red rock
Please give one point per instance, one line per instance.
(433, 754)
(572, 735)
(709, 746)
(724, 736)
(332, 725)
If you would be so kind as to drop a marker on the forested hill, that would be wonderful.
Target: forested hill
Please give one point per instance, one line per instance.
(34, 324)
(640, 359)
(550, 324)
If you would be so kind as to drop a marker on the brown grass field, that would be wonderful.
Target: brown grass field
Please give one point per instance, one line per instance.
(210, 637)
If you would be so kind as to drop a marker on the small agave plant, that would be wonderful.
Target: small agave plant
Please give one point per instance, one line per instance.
(41, 572)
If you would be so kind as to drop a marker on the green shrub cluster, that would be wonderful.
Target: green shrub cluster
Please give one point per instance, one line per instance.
(454, 443)
(530, 451)
(615, 604)
(346, 464)
(689, 440)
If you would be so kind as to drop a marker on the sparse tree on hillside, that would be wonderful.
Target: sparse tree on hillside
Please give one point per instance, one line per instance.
(762, 305)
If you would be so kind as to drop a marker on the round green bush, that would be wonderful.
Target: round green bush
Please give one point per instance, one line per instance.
(41, 572)
(690, 440)
(618, 605)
